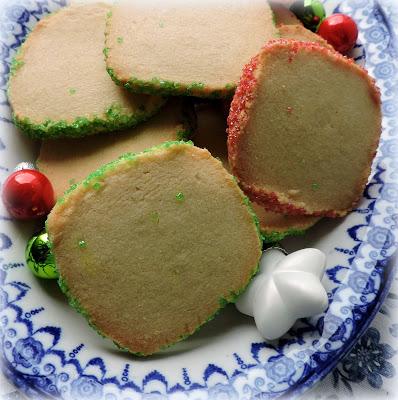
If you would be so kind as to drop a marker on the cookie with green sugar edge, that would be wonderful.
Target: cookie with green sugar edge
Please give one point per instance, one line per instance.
(197, 49)
(74, 303)
(16, 63)
(49, 103)
(275, 226)
(158, 86)
(127, 284)
(211, 134)
(275, 236)
(113, 120)
(176, 121)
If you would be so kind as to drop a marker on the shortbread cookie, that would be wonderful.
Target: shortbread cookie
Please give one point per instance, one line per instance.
(276, 227)
(304, 127)
(149, 247)
(184, 47)
(211, 134)
(283, 15)
(299, 32)
(59, 85)
(65, 167)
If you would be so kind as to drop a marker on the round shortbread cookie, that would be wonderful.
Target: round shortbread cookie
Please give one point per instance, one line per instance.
(59, 85)
(304, 127)
(185, 47)
(148, 251)
(65, 167)
(276, 227)
(211, 134)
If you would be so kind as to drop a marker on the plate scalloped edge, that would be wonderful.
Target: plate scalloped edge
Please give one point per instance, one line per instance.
(292, 368)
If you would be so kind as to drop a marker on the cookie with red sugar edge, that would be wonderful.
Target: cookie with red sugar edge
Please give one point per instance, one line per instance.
(303, 129)
(211, 134)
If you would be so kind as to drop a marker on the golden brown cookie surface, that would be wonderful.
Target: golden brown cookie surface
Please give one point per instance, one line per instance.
(211, 134)
(303, 129)
(282, 14)
(69, 161)
(147, 250)
(60, 86)
(299, 32)
(196, 48)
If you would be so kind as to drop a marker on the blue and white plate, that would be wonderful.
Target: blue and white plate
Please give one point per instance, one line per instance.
(48, 350)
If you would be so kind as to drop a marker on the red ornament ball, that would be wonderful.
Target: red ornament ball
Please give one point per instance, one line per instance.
(340, 31)
(28, 194)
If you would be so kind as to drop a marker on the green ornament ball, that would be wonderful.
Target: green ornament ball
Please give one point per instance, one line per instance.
(39, 257)
(310, 12)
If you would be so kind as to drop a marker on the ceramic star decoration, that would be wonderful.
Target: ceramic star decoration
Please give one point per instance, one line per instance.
(286, 288)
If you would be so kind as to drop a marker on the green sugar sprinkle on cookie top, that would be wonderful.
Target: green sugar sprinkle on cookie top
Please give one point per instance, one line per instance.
(72, 91)
(155, 217)
(315, 186)
(180, 196)
(119, 40)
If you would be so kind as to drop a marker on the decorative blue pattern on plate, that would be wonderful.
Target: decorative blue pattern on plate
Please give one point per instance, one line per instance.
(39, 347)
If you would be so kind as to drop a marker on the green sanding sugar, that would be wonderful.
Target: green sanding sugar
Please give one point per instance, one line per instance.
(278, 236)
(315, 186)
(100, 173)
(119, 40)
(15, 66)
(274, 19)
(180, 196)
(114, 118)
(73, 186)
(216, 94)
(155, 217)
(183, 134)
(156, 86)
